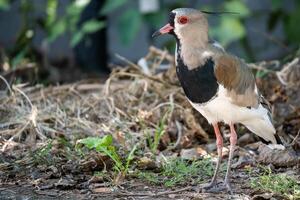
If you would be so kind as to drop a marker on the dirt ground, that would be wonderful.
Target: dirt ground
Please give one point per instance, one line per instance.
(61, 178)
(129, 189)
(41, 129)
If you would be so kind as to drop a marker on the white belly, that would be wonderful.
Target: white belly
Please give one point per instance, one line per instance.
(219, 110)
(222, 109)
(255, 119)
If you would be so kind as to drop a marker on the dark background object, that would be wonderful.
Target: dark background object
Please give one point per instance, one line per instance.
(264, 30)
(91, 53)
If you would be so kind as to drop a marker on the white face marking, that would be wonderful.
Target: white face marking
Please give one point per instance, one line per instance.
(193, 37)
(178, 26)
(206, 54)
(177, 30)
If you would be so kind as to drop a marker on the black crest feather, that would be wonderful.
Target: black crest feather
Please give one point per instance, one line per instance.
(220, 12)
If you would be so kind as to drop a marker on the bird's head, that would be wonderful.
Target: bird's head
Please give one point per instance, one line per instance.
(185, 23)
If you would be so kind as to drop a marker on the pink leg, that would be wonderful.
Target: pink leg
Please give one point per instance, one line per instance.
(233, 139)
(219, 142)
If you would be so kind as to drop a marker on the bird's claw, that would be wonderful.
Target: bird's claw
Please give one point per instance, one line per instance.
(196, 189)
(204, 187)
(214, 187)
(209, 185)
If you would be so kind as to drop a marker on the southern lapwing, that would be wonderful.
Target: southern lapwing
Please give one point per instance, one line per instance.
(218, 85)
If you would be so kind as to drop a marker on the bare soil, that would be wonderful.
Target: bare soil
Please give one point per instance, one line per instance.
(40, 127)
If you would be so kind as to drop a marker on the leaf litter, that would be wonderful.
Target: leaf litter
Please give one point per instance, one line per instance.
(139, 107)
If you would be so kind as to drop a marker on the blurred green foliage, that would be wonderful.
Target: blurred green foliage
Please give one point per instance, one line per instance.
(112, 5)
(290, 20)
(131, 20)
(51, 23)
(105, 145)
(227, 23)
(69, 21)
(228, 29)
(4, 4)
(129, 25)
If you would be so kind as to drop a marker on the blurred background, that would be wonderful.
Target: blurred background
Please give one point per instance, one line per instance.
(58, 41)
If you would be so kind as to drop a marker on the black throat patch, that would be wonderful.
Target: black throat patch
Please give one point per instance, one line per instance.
(172, 22)
(199, 84)
(172, 18)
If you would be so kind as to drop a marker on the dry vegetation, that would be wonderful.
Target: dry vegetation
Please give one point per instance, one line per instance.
(143, 108)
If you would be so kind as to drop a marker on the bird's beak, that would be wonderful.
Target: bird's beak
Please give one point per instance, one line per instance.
(166, 29)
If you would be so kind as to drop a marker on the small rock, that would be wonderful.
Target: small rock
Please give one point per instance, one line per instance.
(164, 157)
(262, 196)
(267, 196)
(290, 73)
(245, 139)
(146, 163)
(65, 183)
(102, 190)
(53, 169)
(96, 179)
(172, 196)
(193, 153)
(279, 158)
(225, 151)
(211, 147)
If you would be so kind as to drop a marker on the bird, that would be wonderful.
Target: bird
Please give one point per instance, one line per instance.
(217, 84)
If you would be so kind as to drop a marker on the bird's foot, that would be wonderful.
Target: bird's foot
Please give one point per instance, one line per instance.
(204, 187)
(214, 187)
(211, 187)
(196, 189)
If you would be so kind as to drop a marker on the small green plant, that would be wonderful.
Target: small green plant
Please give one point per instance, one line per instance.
(150, 177)
(4, 5)
(42, 155)
(105, 145)
(277, 183)
(178, 171)
(160, 130)
(261, 74)
(55, 26)
(103, 175)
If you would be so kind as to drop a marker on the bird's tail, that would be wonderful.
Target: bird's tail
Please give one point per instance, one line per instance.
(263, 126)
(263, 129)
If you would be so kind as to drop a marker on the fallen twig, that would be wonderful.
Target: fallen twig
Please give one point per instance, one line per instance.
(153, 194)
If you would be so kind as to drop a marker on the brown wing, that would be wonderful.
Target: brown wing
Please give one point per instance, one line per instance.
(238, 79)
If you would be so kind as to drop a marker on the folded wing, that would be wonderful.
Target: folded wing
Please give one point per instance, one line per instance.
(238, 80)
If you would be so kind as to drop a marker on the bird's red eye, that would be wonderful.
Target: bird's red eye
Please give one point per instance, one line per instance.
(182, 20)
